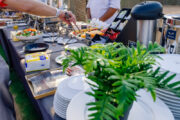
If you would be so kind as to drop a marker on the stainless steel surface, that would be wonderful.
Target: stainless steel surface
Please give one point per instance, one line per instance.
(170, 22)
(146, 31)
(162, 39)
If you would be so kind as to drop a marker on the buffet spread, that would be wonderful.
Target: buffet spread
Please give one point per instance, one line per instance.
(91, 56)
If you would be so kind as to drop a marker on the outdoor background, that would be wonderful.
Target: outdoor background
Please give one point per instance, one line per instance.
(131, 3)
(78, 7)
(23, 106)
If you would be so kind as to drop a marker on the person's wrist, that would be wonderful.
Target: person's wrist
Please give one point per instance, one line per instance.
(101, 19)
(58, 12)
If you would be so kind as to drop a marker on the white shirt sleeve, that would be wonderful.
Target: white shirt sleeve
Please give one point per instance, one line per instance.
(115, 4)
(88, 5)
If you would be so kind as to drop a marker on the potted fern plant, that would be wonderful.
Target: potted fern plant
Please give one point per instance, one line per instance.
(118, 72)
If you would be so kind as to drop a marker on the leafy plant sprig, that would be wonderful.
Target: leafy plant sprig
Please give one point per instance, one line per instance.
(118, 72)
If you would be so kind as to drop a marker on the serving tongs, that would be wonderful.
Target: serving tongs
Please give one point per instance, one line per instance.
(71, 23)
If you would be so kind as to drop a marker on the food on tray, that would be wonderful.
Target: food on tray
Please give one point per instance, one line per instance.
(29, 32)
(83, 31)
(98, 24)
(2, 23)
(92, 32)
(81, 25)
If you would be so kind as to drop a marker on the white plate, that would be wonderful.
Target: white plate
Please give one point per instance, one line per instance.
(169, 103)
(66, 90)
(19, 24)
(72, 41)
(29, 38)
(68, 87)
(62, 99)
(49, 39)
(143, 109)
(50, 34)
(166, 92)
(77, 106)
(5, 20)
(59, 59)
(63, 41)
(60, 105)
(175, 110)
(169, 98)
(170, 62)
(66, 41)
(177, 116)
(159, 109)
(75, 46)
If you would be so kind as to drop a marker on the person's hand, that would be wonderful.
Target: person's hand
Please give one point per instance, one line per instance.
(75, 70)
(69, 71)
(67, 17)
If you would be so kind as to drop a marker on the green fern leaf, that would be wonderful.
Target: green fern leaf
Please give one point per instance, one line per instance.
(175, 84)
(167, 80)
(162, 76)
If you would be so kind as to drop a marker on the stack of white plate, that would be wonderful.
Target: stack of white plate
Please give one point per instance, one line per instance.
(171, 100)
(67, 89)
(143, 109)
(170, 62)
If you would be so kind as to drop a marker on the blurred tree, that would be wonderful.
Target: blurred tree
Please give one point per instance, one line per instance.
(131, 3)
(78, 7)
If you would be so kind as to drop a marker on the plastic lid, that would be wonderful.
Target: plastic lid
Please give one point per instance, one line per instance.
(149, 10)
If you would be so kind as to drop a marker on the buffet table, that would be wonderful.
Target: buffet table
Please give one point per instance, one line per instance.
(15, 54)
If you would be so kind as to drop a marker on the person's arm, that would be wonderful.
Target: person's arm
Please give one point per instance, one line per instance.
(109, 13)
(31, 6)
(36, 8)
(88, 13)
(114, 5)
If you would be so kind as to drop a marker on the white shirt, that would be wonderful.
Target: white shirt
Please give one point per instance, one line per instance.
(99, 7)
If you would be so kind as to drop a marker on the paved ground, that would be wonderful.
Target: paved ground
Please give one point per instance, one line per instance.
(171, 9)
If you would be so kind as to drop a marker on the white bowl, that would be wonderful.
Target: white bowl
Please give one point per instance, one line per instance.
(30, 38)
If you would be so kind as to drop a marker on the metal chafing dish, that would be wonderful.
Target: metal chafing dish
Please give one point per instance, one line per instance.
(146, 14)
(171, 33)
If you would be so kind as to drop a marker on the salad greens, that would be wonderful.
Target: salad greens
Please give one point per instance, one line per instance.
(28, 32)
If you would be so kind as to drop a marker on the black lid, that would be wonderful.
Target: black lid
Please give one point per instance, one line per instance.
(149, 10)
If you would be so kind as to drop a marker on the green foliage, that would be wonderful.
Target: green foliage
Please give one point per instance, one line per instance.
(164, 81)
(21, 98)
(118, 72)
